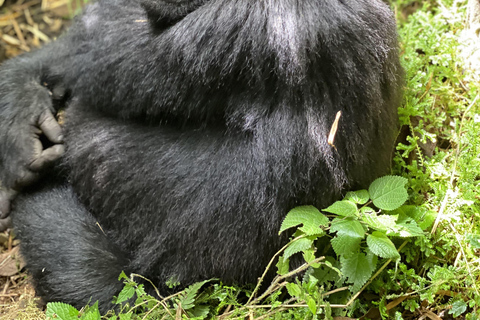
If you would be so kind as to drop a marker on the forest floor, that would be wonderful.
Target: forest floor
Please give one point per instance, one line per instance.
(24, 26)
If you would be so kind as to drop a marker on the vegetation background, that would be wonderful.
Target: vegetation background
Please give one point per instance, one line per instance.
(433, 269)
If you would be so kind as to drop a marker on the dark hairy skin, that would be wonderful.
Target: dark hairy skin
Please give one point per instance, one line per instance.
(191, 128)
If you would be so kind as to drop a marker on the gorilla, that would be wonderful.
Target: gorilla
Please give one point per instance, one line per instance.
(190, 128)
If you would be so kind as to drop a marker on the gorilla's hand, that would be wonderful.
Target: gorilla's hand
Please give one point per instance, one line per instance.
(31, 136)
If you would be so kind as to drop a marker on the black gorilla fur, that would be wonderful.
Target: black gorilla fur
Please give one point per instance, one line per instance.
(192, 128)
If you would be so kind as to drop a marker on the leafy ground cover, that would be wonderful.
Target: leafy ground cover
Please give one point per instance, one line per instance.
(406, 248)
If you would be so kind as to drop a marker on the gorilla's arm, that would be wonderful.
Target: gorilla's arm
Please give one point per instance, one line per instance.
(27, 100)
(33, 85)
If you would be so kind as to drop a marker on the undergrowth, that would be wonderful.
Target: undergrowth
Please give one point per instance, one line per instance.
(370, 254)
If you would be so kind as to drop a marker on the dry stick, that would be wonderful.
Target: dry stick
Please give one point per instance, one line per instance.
(132, 275)
(457, 236)
(274, 286)
(334, 291)
(19, 33)
(162, 302)
(298, 305)
(277, 279)
(151, 310)
(268, 267)
(374, 276)
(454, 170)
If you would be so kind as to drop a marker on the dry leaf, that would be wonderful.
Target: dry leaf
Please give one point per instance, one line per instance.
(11, 262)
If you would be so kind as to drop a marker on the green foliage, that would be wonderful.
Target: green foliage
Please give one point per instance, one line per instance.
(354, 225)
(309, 216)
(388, 193)
(440, 159)
(63, 311)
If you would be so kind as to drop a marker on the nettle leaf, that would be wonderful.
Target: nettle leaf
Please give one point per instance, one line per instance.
(61, 311)
(127, 293)
(343, 208)
(92, 313)
(365, 210)
(344, 244)
(360, 196)
(348, 227)
(422, 216)
(382, 222)
(357, 268)
(297, 246)
(122, 276)
(382, 246)
(406, 227)
(389, 192)
(311, 218)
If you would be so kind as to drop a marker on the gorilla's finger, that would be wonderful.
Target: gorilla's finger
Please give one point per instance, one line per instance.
(4, 204)
(47, 156)
(50, 127)
(5, 198)
(26, 178)
(5, 223)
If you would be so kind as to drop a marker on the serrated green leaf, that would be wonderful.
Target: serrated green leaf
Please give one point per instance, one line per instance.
(91, 313)
(389, 192)
(297, 246)
(294, 289)
(365, 210)
(382, 222)
(382, 246)
(61, 311)
(458, 308)
(140, 290)
(357, 268)
(344, 208)
(122, 276)
(127, 293)
(406, 227)
(310, 217)
(348, 226)
(422, 216)
(360, 196)
(344, 244)
(283, 266)
(371, 259)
